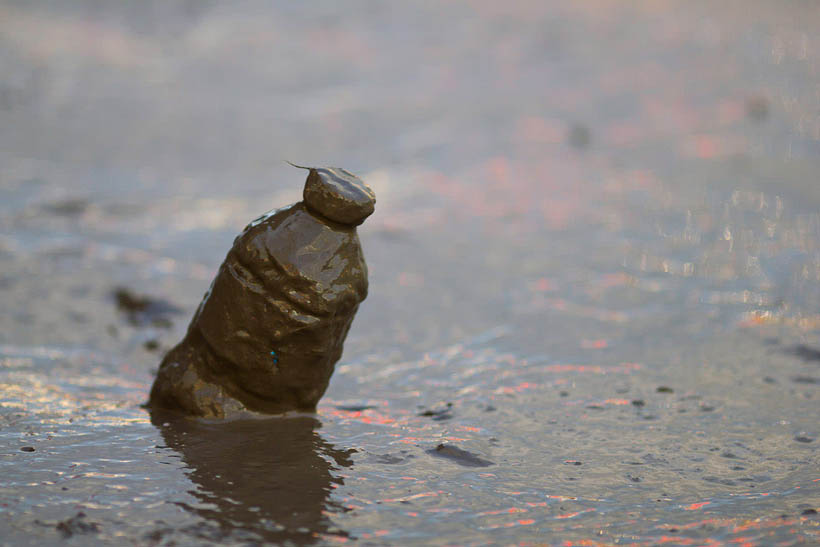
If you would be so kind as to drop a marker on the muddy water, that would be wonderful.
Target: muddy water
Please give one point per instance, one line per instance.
(594, 311)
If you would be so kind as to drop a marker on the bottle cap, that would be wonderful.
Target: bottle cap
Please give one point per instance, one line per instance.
(339, 195)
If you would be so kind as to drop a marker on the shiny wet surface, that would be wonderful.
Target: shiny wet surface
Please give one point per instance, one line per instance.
(594, 310)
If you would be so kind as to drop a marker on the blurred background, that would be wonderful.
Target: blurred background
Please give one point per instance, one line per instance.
(599, 219)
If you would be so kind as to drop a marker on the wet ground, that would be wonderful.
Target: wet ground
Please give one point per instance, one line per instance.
(594, 311)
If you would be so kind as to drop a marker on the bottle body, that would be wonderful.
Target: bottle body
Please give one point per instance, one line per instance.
(271, 328)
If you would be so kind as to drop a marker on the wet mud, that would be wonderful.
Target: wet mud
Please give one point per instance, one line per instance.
(593, 288)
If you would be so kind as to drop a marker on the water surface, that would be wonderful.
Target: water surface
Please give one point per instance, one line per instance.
(594, 311)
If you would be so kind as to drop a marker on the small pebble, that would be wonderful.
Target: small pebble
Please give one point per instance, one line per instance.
(459, 456)
(355, 408)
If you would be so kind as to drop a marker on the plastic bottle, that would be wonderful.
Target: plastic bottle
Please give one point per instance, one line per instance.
(270, 330)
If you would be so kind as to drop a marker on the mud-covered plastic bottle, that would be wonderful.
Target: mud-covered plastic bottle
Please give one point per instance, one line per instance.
(270, 330)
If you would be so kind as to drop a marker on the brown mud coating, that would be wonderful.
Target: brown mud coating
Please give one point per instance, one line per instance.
(270, 330)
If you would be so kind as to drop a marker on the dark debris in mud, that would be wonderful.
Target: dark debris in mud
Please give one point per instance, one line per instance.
(392, 459)
(805, 380)
(77, 525)
(72, 526)
(143, 311)
(438, 414)
(355, 408)
(579, 136)
(804, 352)
(151, 345)
(720, 480)
(155, 537)
(459, 456)
(757, 108)
(68, 207)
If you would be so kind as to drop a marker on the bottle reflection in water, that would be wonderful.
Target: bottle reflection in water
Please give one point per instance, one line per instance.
(268, 478)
